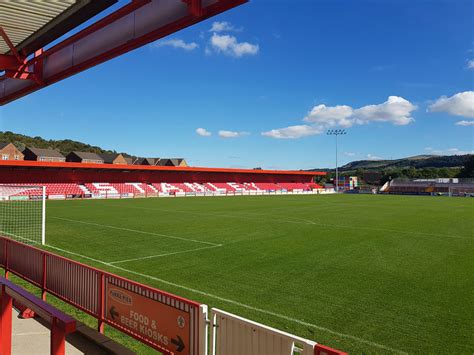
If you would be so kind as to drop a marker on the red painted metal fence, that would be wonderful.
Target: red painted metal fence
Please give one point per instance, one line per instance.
(326, 350)
(84, 287)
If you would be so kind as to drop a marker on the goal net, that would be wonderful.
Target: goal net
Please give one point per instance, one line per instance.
(22, 213)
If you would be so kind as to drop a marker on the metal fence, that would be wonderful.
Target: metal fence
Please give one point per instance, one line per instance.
(90, 290)
(232, 335)
(163, 321)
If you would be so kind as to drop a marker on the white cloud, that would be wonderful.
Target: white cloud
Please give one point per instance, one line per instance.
(373, 157)
(461, 104)
(470, 64)
(431, 150)
(465, 123)
(331, 116)
(229, 45)
(349, 154)
(292, 132)
(395, 110)
(203, 132)
(223, 26)
(449, 151)
(457, 151)
(231, 134)
(177, 43)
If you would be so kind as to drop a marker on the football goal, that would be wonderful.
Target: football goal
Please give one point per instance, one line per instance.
(22, 213)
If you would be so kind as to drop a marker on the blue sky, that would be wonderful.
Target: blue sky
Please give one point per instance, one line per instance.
(272, 77)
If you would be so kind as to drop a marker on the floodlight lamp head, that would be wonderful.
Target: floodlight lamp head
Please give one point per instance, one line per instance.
(336, 132)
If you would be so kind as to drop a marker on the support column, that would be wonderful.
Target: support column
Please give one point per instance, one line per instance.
(5, 323)
(58, 339)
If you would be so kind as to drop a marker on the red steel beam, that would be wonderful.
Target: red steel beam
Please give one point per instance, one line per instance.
(195, 14)
(194, 7)
(8, 62)
(114, 167)
(10, 45)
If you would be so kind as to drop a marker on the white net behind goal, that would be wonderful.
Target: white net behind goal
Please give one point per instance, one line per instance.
(22, 213)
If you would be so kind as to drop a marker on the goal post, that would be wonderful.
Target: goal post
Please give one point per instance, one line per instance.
(23, 213)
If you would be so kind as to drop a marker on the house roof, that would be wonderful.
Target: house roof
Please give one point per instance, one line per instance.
(3, 144)
(170, 162)
(108, 157)
(149, 161)
(50, 153)
(87, 155)
(177, 161)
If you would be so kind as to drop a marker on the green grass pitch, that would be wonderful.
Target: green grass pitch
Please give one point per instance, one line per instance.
(361, 273)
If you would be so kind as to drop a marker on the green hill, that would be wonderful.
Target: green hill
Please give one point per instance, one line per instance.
(65, 146)
(417, 162)
(419, 166)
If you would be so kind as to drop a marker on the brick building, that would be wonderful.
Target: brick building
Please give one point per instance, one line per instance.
(48, 155)
(9, 152)
(113, 158)
(146, 161)
(84, 157)
(172, 162)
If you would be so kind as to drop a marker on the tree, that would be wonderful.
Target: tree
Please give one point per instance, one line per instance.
(468, 169)
(359, 173)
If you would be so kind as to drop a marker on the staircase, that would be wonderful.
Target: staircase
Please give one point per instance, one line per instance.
(85, 190)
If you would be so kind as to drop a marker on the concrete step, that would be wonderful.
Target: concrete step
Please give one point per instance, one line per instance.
(32, 336)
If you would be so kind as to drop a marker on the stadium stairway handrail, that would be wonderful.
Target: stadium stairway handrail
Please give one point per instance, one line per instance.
(61, 323)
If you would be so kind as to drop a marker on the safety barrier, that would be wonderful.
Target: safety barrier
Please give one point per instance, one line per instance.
(231, 335)
(61, 324)
(163, 321)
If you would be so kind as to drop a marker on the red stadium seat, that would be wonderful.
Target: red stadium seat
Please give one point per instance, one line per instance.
(267, 186)
(292, 186)
(129, 189)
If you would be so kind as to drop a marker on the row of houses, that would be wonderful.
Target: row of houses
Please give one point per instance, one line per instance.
(8, 151)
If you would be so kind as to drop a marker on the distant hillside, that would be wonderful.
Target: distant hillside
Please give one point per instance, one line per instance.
(65, 146)
(417, 162)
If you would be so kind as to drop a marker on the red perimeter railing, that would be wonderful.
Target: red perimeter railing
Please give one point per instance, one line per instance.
(84, 287)
(326, 350)
(61, 324)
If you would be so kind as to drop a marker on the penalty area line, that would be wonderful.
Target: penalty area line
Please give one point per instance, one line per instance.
(164, 254)
(136, 231)
(236, 303)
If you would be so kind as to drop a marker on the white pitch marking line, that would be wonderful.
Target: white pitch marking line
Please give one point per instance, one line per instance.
(19, 236)
(259, 310)
(303, 221)
(137, 231)
(219, 214)
(164, 254)
(79, 255)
